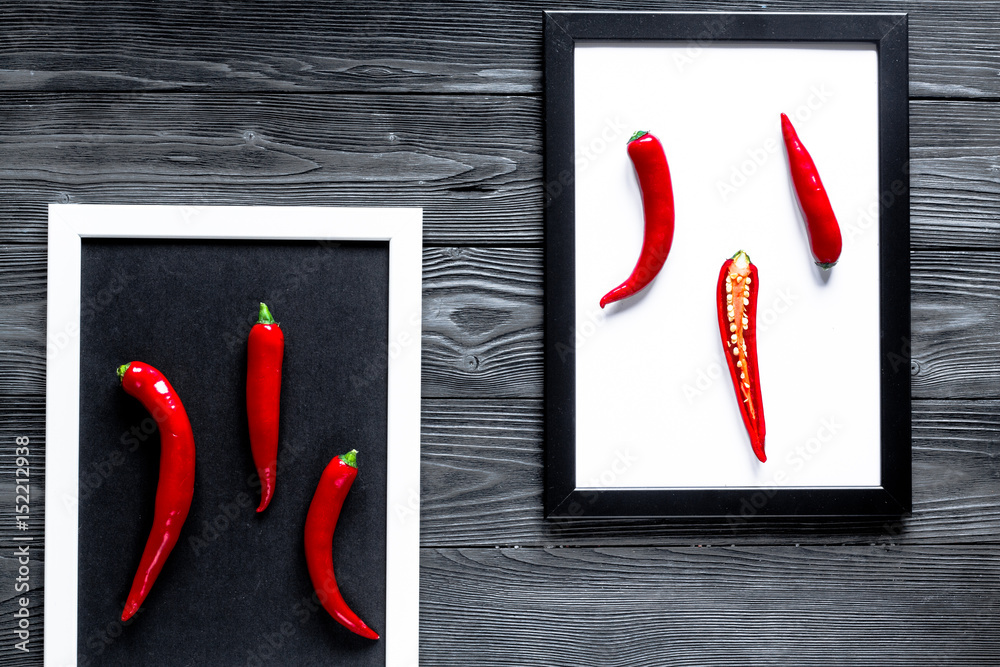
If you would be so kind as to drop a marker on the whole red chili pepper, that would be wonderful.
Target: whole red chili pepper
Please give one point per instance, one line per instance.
(651, 167)
(176, 485)
(265, 351)
(824, 231)
(736, 297)
(320, 523)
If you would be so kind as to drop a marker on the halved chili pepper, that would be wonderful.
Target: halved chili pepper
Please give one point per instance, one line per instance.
(321, 521)
(176, 485)
(736, 298)
(651, 168)
(265, 351)
(824, 231)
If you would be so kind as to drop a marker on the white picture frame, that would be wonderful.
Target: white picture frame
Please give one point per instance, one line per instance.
(70, 224)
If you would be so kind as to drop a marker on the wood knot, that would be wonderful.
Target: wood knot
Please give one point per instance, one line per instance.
(479, 321)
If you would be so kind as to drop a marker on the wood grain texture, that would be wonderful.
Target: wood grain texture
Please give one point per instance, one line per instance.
(641, 606)
(955, 315)
(330, 46)
(954, 174)
(10, 604)
(473, 163)
(482, 476)
(22, 327)
(482, 322)
(20, 417)
(226, 45)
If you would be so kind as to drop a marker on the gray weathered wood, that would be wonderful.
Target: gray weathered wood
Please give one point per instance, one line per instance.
(21, 416)
(955, 319)
(954, 175)
(482, 477)
(397, 47)
(473, 163)
(775, 605)
(482, 322)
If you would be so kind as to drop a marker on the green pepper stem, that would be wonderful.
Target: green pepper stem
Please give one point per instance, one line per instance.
(350, 458)
(637, 135)
(265, 315)
(121, 371)
(740, 252)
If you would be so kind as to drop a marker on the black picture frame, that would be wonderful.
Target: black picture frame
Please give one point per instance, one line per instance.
(563, 498)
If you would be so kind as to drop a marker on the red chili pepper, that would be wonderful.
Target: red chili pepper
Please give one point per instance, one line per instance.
(824, 232)
(265, 351)
(320, 523)
(176, 485)
(736, 296)
(651, 167)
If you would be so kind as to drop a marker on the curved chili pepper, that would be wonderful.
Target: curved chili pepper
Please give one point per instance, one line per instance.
(824, 231)
(265, 351)
(651, 167)
(320, 523)
(736, 298)
(176, 485)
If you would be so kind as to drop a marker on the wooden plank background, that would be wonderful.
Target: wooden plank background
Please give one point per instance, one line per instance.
(439, 105)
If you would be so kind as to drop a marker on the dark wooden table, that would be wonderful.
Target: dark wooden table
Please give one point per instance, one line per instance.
(439, 106)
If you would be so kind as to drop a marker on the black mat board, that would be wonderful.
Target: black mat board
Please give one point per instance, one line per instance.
(235, 590)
